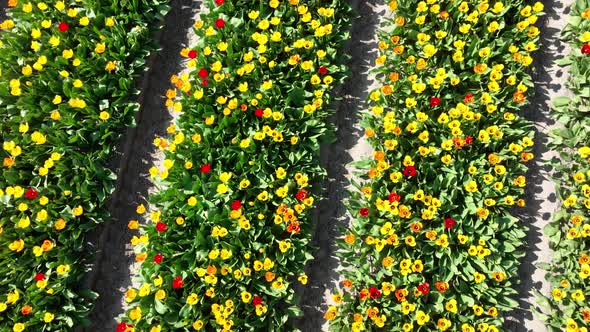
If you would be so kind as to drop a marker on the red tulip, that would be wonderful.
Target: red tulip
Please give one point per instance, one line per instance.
(27, 309)
(219, 2)
(301, 195)
(160, 226)
(364, 212)
(410, 171)
(39, 277)
(256, 300)
(236, 205)
(434, 101)
(374, 292)
(158, 258)
(293, 228)
(177, 282)
(205, 82)
(192, 54)
(203, 73)
(586, 49)
(31, 193)
(206, 168)
(323, 70)
(393, 197)
(258, 113)
(220, 23)
(63, 27)
(424, 288)
(122, 327)
(449, 223)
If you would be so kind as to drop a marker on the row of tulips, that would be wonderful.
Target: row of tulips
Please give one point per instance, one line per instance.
(66, 95)
(569, 231)
(433, 246)
(226, 235)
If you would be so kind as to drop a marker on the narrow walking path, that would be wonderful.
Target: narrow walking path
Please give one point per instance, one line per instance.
(549, 82)
(114, 267)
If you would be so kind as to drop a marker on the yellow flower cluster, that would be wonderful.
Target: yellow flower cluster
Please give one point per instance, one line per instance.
(60, 84)
(569, 232)
(240, 168)
(450, 154)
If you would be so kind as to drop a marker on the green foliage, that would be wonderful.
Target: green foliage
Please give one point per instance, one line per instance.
(569, 229)
(238, 234)
(439, 249)
(62, 109)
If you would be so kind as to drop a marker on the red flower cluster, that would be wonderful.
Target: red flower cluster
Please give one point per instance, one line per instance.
(424, 288)
(63, 27)
(374, 292)
(160, 226)
(364, 212)
(203, 73)
(31, 193)
(257, 300)
(177, 282)
(409, 171)
(434, 101)
(449, 223)
(158, 258)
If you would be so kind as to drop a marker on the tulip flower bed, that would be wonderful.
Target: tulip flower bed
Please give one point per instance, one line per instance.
(434, 245)
(569, 232)
(229, 226)
(66, 88)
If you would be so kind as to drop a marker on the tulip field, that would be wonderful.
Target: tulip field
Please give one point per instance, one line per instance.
(295, 165)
